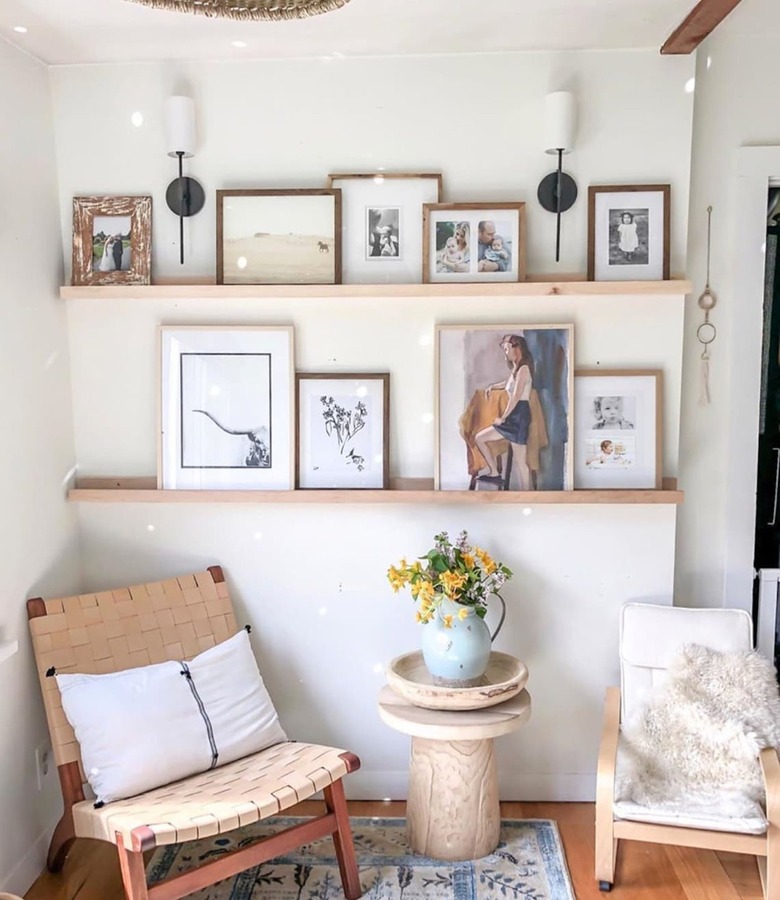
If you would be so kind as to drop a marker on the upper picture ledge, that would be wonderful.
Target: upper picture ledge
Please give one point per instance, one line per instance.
(199, 291)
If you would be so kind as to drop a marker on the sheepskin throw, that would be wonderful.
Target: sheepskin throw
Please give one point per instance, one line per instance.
(695, 742)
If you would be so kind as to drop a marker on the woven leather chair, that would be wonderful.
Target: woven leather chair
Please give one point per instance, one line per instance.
(650, 637)
(152, 623)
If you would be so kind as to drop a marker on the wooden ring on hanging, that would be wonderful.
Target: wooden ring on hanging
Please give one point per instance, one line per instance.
(710, 335)
(707, 300)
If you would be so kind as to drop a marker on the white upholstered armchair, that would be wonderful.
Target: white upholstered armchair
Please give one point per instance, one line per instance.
(650, 638)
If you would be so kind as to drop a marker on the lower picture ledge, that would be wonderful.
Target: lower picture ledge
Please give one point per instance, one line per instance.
(402, 490)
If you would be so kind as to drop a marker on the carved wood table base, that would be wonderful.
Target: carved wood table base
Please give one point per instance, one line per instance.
(452, 810)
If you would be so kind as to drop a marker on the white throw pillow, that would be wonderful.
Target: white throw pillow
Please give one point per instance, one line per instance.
(142, 728)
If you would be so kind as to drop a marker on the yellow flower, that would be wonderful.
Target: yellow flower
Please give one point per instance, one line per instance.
(452, 582)
(397, 578)
(486, 560)
(468, 558)
(416, 568)
(462, 613)
(447, 621)
(426, 595)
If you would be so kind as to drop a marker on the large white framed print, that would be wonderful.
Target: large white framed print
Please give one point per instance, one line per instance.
(381, 219)
(226, 407)
(618, 437)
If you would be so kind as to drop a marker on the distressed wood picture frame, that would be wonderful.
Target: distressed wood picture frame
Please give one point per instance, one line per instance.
(112, 240)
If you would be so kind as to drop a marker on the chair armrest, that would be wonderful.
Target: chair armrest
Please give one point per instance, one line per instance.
(610, 733)
(770, 768)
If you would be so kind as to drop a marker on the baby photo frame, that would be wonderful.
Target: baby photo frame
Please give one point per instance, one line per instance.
(618, 417)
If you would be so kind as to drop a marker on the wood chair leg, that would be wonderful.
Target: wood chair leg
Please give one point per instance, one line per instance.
(342, 839)
(133, 871)
(606, 853)
(61, 842)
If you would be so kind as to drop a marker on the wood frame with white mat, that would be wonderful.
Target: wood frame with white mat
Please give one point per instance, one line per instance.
(173, 620)
(611, 829)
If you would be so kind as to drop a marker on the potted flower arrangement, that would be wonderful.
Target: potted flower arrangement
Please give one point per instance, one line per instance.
(451, 585)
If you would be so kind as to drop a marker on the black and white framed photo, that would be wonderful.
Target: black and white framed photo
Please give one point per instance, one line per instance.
(226, 410)
(618, 437)
(382, 225)
(342, 430)
(628, 232)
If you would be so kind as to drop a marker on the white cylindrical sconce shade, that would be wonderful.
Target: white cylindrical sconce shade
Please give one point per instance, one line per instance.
(559, 121)
(180, 126)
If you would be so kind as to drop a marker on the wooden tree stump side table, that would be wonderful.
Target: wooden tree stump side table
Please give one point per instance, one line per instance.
(452, 810)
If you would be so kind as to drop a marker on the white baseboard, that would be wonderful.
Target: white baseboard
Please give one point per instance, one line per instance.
(564, 787)
(21, 878)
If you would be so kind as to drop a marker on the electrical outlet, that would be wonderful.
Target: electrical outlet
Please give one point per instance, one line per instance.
(42, 762)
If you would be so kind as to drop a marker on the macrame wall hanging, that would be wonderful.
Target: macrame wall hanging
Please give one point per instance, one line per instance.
(706, 332)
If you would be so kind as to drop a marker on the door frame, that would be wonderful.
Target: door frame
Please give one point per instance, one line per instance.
(757, 169)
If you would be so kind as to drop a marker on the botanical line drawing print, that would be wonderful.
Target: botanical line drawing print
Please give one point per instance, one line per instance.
(259, 454)
(344, 424)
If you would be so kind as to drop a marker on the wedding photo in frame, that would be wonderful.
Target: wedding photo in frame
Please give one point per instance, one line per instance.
(112, 240)
(629, 232)
(504, 407)
(618, 441)
(382, 224)
(226, 407)
(342, 430)
(279, 236)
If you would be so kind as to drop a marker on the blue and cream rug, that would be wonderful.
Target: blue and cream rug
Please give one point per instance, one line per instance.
(528, 864)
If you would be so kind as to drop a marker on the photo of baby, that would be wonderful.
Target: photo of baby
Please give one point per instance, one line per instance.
(494, 249)
(614, 454)
(453, 253)
(383, 232)
(613, 413)
(628, 237)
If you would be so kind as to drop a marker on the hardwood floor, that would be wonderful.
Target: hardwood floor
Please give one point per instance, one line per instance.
(644, 871)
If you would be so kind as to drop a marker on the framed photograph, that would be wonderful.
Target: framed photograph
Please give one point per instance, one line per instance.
(628, 232)
(279, 237)
(382, 225)
(112, 240)
(473, 242)
(618, 441)
(342, 430)
(504, 408)
(226, 407)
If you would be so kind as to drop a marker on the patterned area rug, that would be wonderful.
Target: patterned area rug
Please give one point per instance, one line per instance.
(528, 864)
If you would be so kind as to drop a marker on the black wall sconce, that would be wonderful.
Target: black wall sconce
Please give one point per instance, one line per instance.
(184, 196)
(558, 191)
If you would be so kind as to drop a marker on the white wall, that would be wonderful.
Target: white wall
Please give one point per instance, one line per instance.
(736, 105)
(313, 583)
(37, 528)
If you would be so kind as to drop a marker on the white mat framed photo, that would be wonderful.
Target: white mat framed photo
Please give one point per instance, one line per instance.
(381, 215)
(342, 430)
(618, 439)
(226, 407)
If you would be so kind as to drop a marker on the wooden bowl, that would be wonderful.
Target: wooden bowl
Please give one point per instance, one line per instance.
(504, 678)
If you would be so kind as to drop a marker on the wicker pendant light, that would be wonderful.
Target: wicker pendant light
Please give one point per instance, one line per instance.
(248, 10)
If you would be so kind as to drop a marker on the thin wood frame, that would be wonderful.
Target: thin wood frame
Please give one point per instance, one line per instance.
(515, 206)
(567, 493)
(405, 191)
(384, 377)
(658, 375)
(139, 209)
(281, 192)
(595, 189)
(224, 328)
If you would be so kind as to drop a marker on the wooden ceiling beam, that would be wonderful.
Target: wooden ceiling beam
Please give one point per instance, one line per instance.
(700, 22)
